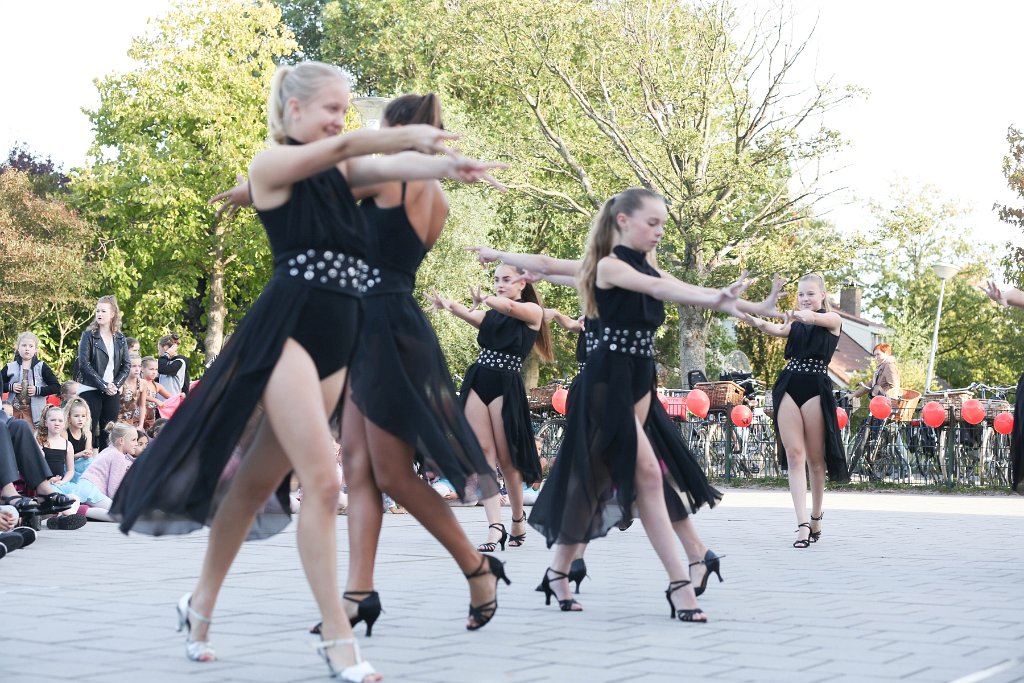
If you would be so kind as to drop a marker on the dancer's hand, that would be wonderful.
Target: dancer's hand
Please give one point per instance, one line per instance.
(992, 291)
(478, 296)
(438, 302)
(233, 200)
(802, 316)
(728, 298)
(466, 170)
(428, 139)
(484, 254)
(769, 307)
(527, 276)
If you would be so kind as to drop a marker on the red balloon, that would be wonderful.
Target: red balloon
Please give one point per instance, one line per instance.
(741, 416)
(698, 403)
(880, 407)
(558, 400)
(933, 414)
(1003, 423)
(972, 411)
(842, 418)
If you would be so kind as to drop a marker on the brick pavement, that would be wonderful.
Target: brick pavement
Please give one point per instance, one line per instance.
(901, 587)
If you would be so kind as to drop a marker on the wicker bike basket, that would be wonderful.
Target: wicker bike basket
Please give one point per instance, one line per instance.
(903, 407)
(952, 401)
(540, 397)
(723, 395)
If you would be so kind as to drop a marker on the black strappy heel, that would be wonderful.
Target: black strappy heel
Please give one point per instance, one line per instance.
(517, 540)
(368, 610)
(682, 614)
(545, 588)
(713, 564)
(803, 542)
(482, 614)
(578, 572)
(815, 535)
(491, 546)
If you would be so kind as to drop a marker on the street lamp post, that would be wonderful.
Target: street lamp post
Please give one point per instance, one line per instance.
(944, 271)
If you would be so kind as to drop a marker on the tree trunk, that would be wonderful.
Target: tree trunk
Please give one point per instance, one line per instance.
(693, 341)
(216, 312)
(531, 371)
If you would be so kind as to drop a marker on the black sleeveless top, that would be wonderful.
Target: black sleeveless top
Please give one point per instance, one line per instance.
(505, 334)
(623, 308)
(394, 247)
(56, 459)
(77, 445)
(810, 341)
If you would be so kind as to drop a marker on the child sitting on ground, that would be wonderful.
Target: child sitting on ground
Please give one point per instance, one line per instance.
(76, 418)
(60, 458)
(107, 472)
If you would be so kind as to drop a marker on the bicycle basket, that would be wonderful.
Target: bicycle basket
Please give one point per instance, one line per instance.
(723, 395)
(903, 408)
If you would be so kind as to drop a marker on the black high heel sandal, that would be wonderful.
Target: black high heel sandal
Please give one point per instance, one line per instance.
(368, 610)
(545, 588)
(682, 614)
(713, 564)
(815, 535)
(482, 614)
(578, 572)
(517, 540)
(803, 542)
(491, 546)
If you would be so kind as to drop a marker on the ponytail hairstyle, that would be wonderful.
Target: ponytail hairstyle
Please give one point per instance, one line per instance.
(530, 293)
(413, 108)
(42, 433)
(601, 239)
(119, 430)
(301, 82)
(816, 277)
(115, 314)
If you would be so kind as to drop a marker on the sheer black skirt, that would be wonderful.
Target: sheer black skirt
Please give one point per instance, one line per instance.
(591, 487)
(178, 484)
(400, 382)
(835, 454)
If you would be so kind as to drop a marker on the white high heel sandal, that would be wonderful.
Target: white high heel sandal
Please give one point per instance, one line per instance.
(350, 674)
(196, 650)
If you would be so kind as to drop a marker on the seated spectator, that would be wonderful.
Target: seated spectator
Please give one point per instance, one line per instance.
(77, 419)
(68, 392)
(141, 443)
(28, 379)
(13, 536)
(132, 393)
(108, 470)
(152, 394)
(172, 368)
(21, 457)
(157, 426)
(133, 347)
(60, 458)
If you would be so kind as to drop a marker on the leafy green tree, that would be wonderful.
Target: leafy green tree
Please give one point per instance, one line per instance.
(1013, 169)
(585, 99)
(170, 133)
(44, 274)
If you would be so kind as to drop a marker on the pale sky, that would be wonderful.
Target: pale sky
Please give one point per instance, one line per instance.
(942, 80)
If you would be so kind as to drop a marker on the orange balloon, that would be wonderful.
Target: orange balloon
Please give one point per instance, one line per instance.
(842, 418)
(972, 411)
(698, 403)
(1003, 423)
(880, 407)
(933, 414)
(741, 416)
(558, 400)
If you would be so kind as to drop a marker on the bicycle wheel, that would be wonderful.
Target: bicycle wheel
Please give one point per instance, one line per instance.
(856, 452)
(551, 433)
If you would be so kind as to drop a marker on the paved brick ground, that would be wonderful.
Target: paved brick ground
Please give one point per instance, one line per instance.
(907, 587)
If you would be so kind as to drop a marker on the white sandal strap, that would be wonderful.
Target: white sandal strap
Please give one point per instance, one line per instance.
(357, 672)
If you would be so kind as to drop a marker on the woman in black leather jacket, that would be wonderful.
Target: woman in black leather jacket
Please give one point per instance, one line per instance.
(103, 366)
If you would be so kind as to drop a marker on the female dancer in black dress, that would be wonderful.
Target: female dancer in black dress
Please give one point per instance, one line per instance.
(404, 408)
(659, 428)
(606, 464)
(1013, 297)
(224, 456)
(493, 394)
(806, 426)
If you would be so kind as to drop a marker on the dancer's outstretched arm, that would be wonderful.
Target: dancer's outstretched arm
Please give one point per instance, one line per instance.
(1011, 297)
(563, 321)
(440, 303)
(768, 308)
(772, 329)
(611, 272)
(527, 311)
(543, 265)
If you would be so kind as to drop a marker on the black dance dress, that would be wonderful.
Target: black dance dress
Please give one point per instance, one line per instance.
(1017, 441)
(399, 376)
(318, 241)
(809, 350)
(591, 487)
(504, 343)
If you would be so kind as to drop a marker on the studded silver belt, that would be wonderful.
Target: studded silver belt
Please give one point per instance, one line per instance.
(496, 360)
(330, 270)
(814, 366)
(628, 341)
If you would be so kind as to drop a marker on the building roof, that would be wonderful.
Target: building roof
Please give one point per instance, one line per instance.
(882, 329)
(848, 359)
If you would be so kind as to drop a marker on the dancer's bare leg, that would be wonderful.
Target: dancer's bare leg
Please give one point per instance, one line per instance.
(479, 420)
(791, 432)
(814, 440)
(365, 505)
(513, 478)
